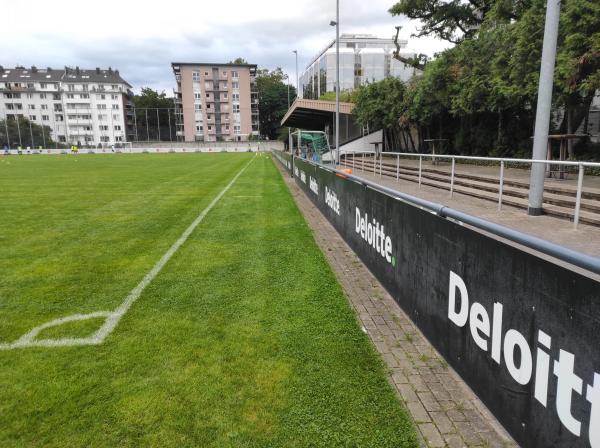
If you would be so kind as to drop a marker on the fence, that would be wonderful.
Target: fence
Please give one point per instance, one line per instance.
(521, 330)
(372, 161)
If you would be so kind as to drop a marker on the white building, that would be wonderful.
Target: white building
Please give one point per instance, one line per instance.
(81, 107)
(364, 58)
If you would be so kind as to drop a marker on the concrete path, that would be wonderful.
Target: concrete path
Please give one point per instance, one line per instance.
(446, 412)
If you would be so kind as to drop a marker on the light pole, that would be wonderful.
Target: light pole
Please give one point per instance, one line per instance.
(287, 77)
(296, 53)
(544, 104)
(337, 80)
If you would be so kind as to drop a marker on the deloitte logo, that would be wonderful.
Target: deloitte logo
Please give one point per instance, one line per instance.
(332, 200)
(313, 185)
(488, 336)
(375, 236)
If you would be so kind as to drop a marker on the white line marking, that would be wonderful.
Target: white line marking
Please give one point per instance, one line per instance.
(112, 318)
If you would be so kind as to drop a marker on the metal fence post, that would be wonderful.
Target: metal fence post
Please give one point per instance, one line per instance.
(374, 163)
(501, 186)
(398, 168)
(353, 159)
(363, 162)
(420, 169)
(578, 200)
(380, 164)
(452, 177)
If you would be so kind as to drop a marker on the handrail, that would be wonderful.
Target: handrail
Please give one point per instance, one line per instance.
(573, 257)
(489, 159)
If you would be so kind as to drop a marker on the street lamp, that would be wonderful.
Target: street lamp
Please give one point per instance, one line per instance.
(336, 23)
(296, 53)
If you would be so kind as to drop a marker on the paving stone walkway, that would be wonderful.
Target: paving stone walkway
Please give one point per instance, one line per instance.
(446, 412)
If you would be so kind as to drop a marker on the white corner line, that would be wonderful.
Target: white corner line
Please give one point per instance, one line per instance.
(112, 318)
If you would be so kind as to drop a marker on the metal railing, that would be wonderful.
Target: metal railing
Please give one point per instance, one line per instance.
(502, 161)
(588, 262)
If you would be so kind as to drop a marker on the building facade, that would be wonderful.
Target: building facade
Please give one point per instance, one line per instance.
(216, 102)
(81, 107)
(364, 58)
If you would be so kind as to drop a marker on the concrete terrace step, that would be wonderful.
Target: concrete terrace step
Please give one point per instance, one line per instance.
(514, 194)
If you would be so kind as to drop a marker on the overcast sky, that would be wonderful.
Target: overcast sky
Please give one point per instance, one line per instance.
(142, 38)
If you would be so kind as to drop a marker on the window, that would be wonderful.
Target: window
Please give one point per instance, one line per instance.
(102, 96)
(31, 106)
(236, 97)
(235, 74)
(30, 96)
(44, 107)
(227, 127)
(59, 117)
(116, 117)
(197, 96)
(85, 87)
(103, 127)
(210, 128)
(10, 106)
(224, 74)
(115, 86)
(62, 138)
(207, 95)
(101, 106)
(18, 106)
(237, 129)
(56, 97)
(235, 85)
(236, 108)
(197, 106)
(208, 106)
(30, 85)
(70, 96)
(199, 128)
(115, 106)
(71, 87)
(118, 138)
(32, 118)
(45, 118)
(117, 128)
(205, 73)
(84, 96)
(12, 95)
(114, 97)
(42, 96)
(104, 139)
(43, 85)
(195, 76)
(225, 96)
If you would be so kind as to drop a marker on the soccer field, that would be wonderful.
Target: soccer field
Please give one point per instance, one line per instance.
(203, 313)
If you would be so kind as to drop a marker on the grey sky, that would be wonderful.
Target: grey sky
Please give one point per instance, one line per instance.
(141, 39)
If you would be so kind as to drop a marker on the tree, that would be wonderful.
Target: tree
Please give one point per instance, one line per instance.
(154, 116)
(23, 133)
(238, 61)
(272, 100)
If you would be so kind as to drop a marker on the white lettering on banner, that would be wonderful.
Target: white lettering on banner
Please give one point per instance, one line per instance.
(332, 200)
(568, 386)
(296, 171)
(313, 185)
(302, 176)
(374, 234)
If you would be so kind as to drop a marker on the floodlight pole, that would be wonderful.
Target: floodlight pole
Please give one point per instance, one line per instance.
(337, 80)
(544, 105)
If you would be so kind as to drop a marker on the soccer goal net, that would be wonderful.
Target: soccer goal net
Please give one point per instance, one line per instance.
(311, 145)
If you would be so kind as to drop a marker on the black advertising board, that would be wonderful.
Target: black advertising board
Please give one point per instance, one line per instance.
(523, 332)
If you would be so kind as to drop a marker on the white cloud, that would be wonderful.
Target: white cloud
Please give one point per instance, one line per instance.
(141, 39)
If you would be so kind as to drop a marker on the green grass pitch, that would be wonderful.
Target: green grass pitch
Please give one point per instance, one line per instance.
(244, 339)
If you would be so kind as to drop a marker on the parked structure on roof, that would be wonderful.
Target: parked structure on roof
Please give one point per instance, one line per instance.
(364, 58)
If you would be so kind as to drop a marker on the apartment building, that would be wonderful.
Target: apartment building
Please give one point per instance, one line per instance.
(216, 102)
(364, 58)
(81, 107)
